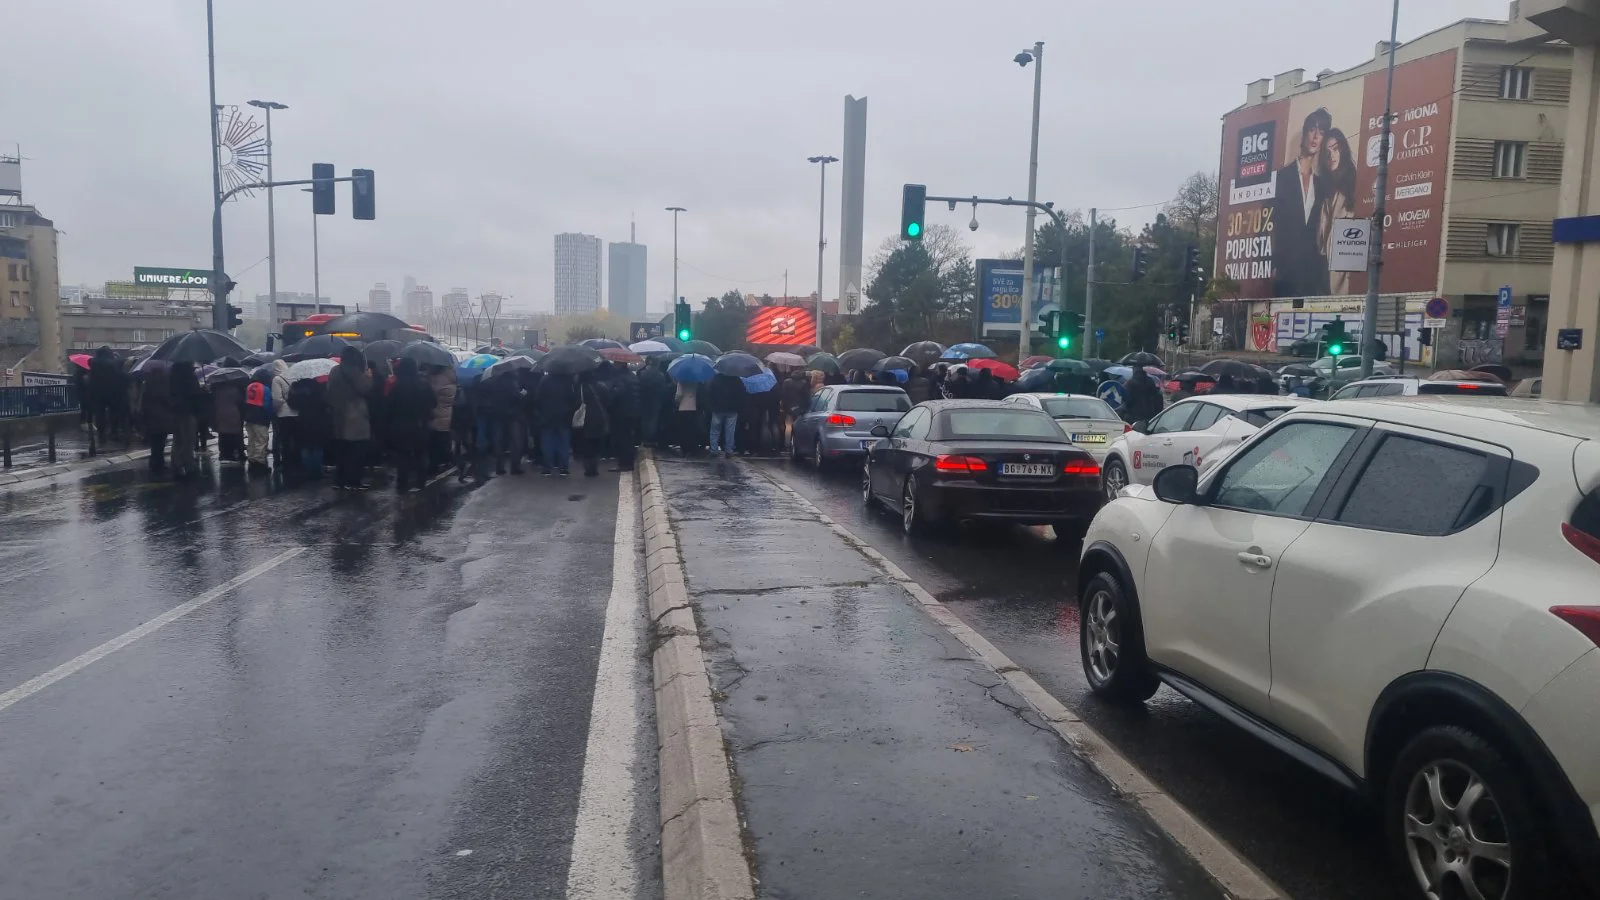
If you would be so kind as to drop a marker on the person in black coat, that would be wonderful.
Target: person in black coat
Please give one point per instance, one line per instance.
(592, 435)
(623, 404)
(556, 399)
(724, 397)
(188, 403)
(655, 392)
(107, 389)
(1144, 396)
(407, 412)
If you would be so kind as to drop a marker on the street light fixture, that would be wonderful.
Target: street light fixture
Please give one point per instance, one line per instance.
(272, 225)
(1036, 55)
(675, 210)
(822, 242)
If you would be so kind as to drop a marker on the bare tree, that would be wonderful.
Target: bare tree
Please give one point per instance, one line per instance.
(1195, 208)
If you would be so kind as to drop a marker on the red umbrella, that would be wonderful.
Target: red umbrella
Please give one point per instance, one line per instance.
(621, 355)
(1000, 369)
(81, 360)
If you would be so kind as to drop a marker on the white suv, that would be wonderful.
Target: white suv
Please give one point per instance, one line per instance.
(1404, 595)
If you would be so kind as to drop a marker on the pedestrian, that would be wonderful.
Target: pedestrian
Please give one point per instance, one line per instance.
(595, 426)
(795, 397)
(958, 386)
(442, 379)
(1144, 396)
(688, 415)
(623, 404)
(187, 402)
(258, 414)
(155, 411)
(769, 424)
(918, 386)
(654, 392)
(724, 398)
(349, 387)
(408, 412)
(499, 407)
(285, 440)
(227, 417)
(313, 424)
(104, 383)
(556, 399)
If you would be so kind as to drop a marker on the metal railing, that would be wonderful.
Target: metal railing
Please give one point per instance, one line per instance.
(37, 400)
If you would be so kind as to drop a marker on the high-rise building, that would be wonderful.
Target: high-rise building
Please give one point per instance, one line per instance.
(577, 273)
(625, 293)
(455, 299)
(379, 299)
(418, 301)
(852, 192)
(30, 285)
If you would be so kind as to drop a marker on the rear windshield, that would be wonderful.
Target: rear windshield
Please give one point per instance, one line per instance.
(874, 401)
(1077, 408)
(1475, 389)
(1260, 417)
(1001, 424)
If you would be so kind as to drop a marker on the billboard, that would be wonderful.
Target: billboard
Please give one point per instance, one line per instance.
(1000, 293)
(176, 278)
(645, 331)
(781, 326)
(1292, 167)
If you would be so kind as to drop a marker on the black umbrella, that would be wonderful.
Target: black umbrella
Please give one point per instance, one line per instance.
(1194, 378)
(365, 326)
(676, 345)
(704, 348)
(380, 350)
(860, 358)
(492, 350)
(1098, 365)
(602, 344)
(923, 353)
(1038, 379)
(895, 362)
(199, 346)
(570, 361)
(223, 376)
(318, 346)
(1300, 369)
(1497, 370)
(1241, 371)
(1142, 358)
(258, 358)
(428, 354)
(806, 351)
(823, 362)
(738, 364)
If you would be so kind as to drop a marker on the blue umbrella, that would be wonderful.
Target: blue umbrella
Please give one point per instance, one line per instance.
(691, 368)
(969, 351)
(760, 383)
(473, 367)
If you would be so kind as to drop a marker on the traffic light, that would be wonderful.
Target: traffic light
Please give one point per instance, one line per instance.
(363, 200)
(235, 317)
(1172, 330)
(1335, 335)
(1070, 331)
(322, 196)
(1193, 274)
(1141, 263)
(683, 320)
(1183, 332)
(1425, 336)
(913, 207)
(1052, 321)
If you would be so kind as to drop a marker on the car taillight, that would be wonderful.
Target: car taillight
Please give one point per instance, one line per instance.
(1585, 543)
(948, 464)
(1081, 467)
(1584, 618)
(840, 419)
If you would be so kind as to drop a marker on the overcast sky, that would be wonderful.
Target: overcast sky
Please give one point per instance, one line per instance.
(494, 124)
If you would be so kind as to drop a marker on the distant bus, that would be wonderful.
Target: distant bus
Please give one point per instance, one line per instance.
(297, 331)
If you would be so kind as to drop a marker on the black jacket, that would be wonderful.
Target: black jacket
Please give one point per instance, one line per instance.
(726, 394)
(408, 407)
(556, 398)
(622, 394)
(1144, 398)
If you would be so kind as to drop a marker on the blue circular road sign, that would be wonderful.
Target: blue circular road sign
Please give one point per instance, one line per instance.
(1114, 394)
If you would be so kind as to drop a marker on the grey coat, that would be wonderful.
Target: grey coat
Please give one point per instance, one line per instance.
(348, 388)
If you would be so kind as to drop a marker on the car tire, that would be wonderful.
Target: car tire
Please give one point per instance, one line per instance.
(1434, 838)
(866, 483)
(1113, 478)
(1111, 642)
(817, 459)
(913, 521)
(794, 447)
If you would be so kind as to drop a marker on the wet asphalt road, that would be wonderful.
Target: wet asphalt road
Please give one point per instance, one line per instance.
(414, 685)
(1016, 586)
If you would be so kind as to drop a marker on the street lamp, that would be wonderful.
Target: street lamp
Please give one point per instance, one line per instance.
(675, 210)
(316, 253)
(822, 241)
(1035, 56)
(272, 226)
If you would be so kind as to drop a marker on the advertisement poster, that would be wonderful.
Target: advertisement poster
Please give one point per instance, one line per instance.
(1293, 167)
(643, 331)
(1000, 293)
(782, 326)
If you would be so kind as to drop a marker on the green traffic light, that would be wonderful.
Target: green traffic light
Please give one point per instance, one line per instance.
(683, 334)
(914, 229)
(1335, 349)
(1063, 342)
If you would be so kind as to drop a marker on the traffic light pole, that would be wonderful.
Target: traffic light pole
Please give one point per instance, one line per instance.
(1369, 313)
(219, 293)
(1061, 225)
(1088, 285)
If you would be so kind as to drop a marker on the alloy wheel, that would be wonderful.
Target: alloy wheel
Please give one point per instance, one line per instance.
(866, 482)
(1115, 479)
(908, 508)
(816, 454)
(1457, 841)
(1104, 631)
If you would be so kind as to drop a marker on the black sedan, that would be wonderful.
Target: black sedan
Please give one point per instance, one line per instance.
(985, 461)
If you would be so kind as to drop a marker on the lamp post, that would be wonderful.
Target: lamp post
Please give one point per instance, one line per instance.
(822, 241)
(272, 224)
(1369, 312)
(219, 294)
(675, 210)
(316, 255)
(1035, 56)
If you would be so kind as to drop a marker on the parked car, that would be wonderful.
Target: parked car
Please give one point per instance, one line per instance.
(1191, 432)
(1336, 371)
(1404, 596)
(981, 460)
(1085, 419)
(1411, 386)
(1529, 387)
(1311, 346)
(839, 422)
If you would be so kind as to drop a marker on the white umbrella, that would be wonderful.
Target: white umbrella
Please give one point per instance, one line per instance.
(310, 368)
(644, 347)
(511, 363)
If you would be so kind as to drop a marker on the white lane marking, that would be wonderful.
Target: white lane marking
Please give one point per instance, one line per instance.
(77, 664)
(602, 865)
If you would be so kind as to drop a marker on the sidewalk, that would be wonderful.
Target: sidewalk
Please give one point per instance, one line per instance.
(874, 755)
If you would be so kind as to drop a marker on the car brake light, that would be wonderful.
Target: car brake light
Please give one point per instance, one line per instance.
(1468, 386)
(1081, 467)
(964, 464)
(1584, 618)
(839, 419)
(1585, 543)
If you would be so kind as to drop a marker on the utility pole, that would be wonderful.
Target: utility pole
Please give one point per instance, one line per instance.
(675, 210)
(1369, 314)
(1088, 291)
(822, 241)
(219, 294)
(272, 222)
(1035, 56)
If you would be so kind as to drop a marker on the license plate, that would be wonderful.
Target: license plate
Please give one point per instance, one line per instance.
(1045, 469)
(1085, 438)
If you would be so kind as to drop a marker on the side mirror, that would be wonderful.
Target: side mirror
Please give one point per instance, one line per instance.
(880, 431)
(1142, 426)
(1177, 484)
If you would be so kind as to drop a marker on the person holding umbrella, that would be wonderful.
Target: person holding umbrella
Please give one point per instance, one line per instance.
(285, 444)
(556, 400)
(257, 413)
(408, 411)
(653, 392)
(724, 397)
(442, 380)
(186, 398)
(795, 396)
(591, 422)
(227, 417)
(349, 386)
(155, 409)
(622, 397)
(1144, 396)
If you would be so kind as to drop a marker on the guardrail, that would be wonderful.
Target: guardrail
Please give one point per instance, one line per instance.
(37, 400)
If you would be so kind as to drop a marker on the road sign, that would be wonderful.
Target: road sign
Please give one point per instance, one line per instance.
(1391, 314)
(1569, 339)
(1434, 323)
(1114, 394)
(1437, 308)
(1099, 333)
(1505, 297)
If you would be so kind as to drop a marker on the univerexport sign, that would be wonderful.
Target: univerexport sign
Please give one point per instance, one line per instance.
(176, 278)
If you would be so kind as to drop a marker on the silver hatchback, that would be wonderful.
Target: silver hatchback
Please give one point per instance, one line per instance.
(838, 424)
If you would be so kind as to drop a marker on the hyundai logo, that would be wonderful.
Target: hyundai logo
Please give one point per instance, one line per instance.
(1354, 233)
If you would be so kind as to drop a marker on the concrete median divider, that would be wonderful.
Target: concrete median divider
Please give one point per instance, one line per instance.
(702, 842)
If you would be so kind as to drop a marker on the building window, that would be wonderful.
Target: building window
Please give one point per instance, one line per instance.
(1503, 239)
(11, 272)
(1515, 83)
(80, 336)
(1510, 159)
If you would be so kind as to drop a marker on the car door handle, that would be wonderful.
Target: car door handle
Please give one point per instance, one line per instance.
(1259, 560)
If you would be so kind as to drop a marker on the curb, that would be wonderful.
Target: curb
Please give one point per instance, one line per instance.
(91, 464)
(702, 842)
(1226, 868)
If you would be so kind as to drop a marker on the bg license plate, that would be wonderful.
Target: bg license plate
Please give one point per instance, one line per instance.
(1045, 469)
(1086, 438)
